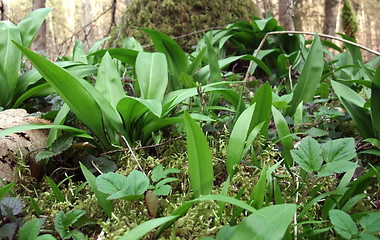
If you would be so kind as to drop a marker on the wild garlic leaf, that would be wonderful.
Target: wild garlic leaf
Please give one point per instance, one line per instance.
(308, 155)
(339, 150)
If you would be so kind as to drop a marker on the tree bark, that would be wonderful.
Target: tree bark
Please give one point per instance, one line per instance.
(39, 42)
(285, 13)
(330, 17)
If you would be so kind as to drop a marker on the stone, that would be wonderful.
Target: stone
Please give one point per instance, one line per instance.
(20, 146)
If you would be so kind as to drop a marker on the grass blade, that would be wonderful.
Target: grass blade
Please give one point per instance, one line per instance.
(199, 156)
(263, 100)
(57, 192)
(283, 131)
(102, 197)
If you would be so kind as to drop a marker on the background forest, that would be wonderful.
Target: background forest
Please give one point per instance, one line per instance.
(91, 21)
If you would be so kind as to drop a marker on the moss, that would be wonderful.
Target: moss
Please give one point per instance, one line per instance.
(176, 18)
(349, 21)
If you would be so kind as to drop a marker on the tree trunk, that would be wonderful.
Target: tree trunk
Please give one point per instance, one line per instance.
(298, 13)
(330, 17)
(39, 42)
(285, 12)
(2, 10)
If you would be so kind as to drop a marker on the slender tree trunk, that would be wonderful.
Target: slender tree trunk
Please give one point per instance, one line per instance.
(298, 7)
(39, 42)
(330, 16)
(2, 10)
(113, 12)
(285, 12)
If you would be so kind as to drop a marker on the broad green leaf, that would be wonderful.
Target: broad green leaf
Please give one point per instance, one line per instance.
(336, 167)
(263, 100)
(46, 237)
(132, 43)
(284, 134)
(144, 228)
(238, 138)
(137, 183)
(59, 120)
(111, 182)
(157, 125)
(29, 26)
(57, 192)
(343, 223)
(102, 197)
(152, 75)
(108, 81)
(342, 149)
(77, 97)
(9, 62)
(310, 77)
(30, 230)
(370, 222)
(201, 173)
(63, 221)
(79, 54)
(361, 117)
(308, 155)
(175, 56)
(215, 74)
(268, 223)
(342, 90)
(375, 102)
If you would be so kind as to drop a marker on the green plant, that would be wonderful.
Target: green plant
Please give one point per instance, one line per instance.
(64, 221)
(159, 177)
(10, 63)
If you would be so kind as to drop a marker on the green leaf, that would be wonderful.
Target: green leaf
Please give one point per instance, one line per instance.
(9, 62)
(137, 183)
(5, 189)
(342, 149)
(29, 26)
(102, 197)
(163, 190)
(201, 173)
(370, 222)
(310, 77)
(30, 230)
(258, 192)
(175, 56)
(284, 134)
(215, 74)
(238, 138)
(142, 229)
(77, 97)
(361, 117)
(45, 237)
(158, 173)
(57, 192)
(152, 75)
(336, 167)
(22, 128)
(342, 90)
(268, 223)
(343, 223)
(263, 100)
(308, 155)
(127, 56)
(108, 81)
(63, 221)
(196, 62)
(375, 102)
(111, 182)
